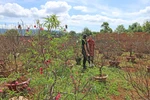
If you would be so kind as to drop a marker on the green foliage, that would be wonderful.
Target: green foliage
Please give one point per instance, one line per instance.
(51, 22)
(127, 97)
(105, 28)
(146, 27)
(95, 33)
(86, 31)
(28, 33)
(73, 33)
(12, 38)
(120, 29)
(135, 27)
(12, 32)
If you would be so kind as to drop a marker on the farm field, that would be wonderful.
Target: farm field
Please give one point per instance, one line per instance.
(43, 67)
(74, 50)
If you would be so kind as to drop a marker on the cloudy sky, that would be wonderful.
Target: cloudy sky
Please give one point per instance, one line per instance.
(77, 14)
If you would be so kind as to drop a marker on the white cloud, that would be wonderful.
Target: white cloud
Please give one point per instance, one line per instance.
(140, 20)
(126, 15)
(108, 11)
(112, 14)
(14, 10)
(51, 7)
(82, 8)
(142, 12)
(85, 9)
(115, 13)
(13, 13)
(1, 17)
(97, 19)
(56, 7)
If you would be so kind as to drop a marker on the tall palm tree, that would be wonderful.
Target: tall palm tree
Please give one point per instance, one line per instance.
(51, 22)
(54, 21)
(47, 22)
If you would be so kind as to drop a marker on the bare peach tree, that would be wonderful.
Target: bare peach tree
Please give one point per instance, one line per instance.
(139, 78)
(140, 82)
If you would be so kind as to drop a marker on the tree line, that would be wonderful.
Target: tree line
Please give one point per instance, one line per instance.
(105, 28)
(52, 23)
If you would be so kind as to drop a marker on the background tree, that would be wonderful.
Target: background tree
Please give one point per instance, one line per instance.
(105, 28)
(73, 33)
(95, 32)
(86, 31)
(146, 27)
(12, 35)
(51, 22)
(120, 29)
(135, 27)
(12, 32)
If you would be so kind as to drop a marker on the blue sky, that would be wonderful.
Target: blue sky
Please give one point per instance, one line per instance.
(77, 14)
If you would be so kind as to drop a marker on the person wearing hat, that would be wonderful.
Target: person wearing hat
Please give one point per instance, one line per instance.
(85, 51)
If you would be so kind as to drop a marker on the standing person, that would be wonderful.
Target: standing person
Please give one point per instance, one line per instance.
(84, 51)
(91, 44)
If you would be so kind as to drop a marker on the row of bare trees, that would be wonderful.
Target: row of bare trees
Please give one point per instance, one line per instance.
(136, 44)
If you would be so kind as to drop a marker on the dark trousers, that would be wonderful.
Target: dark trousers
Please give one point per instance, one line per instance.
(85, 58)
